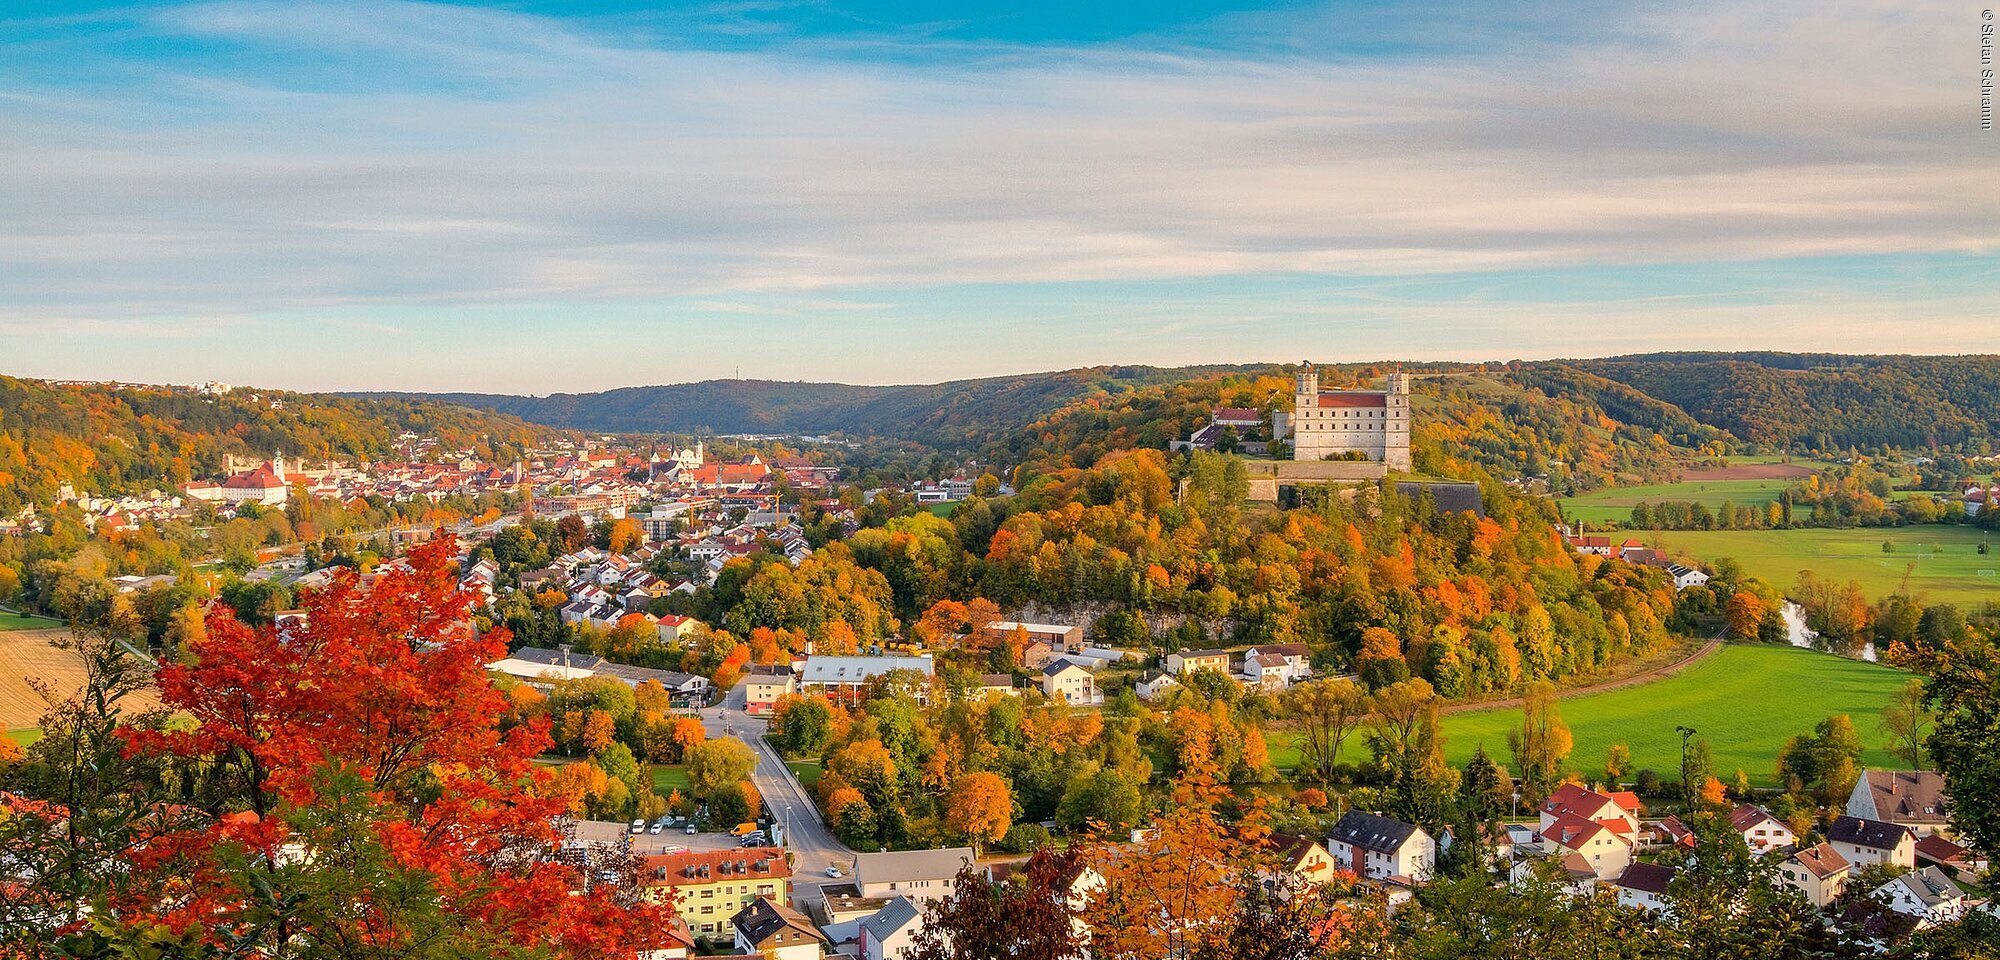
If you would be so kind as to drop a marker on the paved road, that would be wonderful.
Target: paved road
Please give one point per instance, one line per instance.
(813, 846)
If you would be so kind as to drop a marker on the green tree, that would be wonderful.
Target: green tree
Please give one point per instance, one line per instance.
(712, 764)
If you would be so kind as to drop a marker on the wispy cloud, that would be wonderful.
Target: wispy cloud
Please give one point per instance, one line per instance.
(270, 156)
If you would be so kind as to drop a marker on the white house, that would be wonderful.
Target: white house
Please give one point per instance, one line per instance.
(920, 875)
(1379, 847)
(1156, 685)
(1912, 798)
(1297, 658)
(1864, 842)
(887, 933)
(1180, 662)
(1685, 577)
(1644, 885)
(1927, 894)
(1819, 872)
(1066, 681)
(1761, 831)
(1601, 828)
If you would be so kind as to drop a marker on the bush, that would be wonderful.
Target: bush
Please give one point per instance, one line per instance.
(1023, 838)
(1647, 783)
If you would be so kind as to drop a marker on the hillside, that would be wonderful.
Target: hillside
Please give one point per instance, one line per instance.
(957, 413)
(1824, 402)
(1776, 401)
(111, 440)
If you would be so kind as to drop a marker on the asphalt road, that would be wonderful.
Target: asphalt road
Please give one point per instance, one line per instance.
(813, 846)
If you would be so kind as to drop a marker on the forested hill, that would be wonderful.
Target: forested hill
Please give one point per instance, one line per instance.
(954, 414)
(1821, 401)
(127, 439)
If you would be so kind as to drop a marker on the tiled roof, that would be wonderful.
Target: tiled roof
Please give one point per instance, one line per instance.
(1370, 832)
(1875, 834)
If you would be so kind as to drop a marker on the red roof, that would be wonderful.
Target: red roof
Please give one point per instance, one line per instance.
(1353, 400)
(259, 479)
(713, 866)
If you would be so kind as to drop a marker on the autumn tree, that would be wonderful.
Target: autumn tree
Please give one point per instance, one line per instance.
(1541, 743)
(980, 806)
(1031, 915)
(1746, 612)
(1908, 723)
(367, 733)
(1326, 712)
(712, 764)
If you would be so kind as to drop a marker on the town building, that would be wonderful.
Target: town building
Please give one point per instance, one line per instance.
(1380, 847)
(776, 932)
(1072, 684)
(920, 875)
(1374, 423)
(1819, 872)
(1911, 798)
(1926, 895)
(1180, 662)
(1061, 638)
(1644, 885)
(1864, 841)
(764, 684)
(888, 933)
(838, 676)
(714, 885)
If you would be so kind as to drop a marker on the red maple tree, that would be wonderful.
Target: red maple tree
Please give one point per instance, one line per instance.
(360, 789)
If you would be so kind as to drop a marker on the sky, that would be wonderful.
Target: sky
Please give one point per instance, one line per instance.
(563, 196)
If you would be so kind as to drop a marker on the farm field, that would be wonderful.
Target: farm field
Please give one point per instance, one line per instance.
(1947, 558)
(28, 653)
(1713, 697)
(1614, 504)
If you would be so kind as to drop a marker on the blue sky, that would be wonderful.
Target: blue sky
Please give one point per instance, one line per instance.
(545, 196)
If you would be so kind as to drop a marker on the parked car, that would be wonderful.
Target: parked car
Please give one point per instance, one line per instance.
(691, 831)
(638, 826)
(833, 872)
(657, 827)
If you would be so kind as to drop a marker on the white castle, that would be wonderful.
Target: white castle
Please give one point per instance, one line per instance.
(1372, 422)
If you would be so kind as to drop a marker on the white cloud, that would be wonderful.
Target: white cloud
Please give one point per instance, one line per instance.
(411, 154)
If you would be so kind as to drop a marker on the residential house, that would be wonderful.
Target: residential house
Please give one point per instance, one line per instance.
(1599, 843)
(888, 933)
(1644, 885)
(920, 875)
(1864, 841)
(1926, 895)
(776, 932)
(997, 685)
(1182, 661)
(1379, 847)
(1912, 798)
(673, 627)
(713, 885)
(1593, 805)
(1818, 871)
(1685, 577)
(1297, 657)
(763, 684)
(1958, 862)
(1305, 862)
(1156, 684)
(1761, 831)
(1066, 681)
(678, 945)
(1269, 671)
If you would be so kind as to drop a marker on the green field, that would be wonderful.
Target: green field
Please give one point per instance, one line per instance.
(806, 770)
(1746, 700)
(1947, 560)
(9, 620)
(1614, 504)
(25, 736)
(669, 777)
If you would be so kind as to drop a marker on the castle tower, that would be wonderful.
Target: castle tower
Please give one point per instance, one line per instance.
(277, 464)
(1396, 423)
(1307, 381)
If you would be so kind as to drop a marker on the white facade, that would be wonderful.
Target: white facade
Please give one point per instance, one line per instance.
(1371, 422)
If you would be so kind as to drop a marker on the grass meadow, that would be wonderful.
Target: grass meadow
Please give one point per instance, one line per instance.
(1948, 565)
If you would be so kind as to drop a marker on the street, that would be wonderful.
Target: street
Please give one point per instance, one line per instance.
(813, 847)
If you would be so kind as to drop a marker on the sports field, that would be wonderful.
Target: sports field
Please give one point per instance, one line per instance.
(1948, 565)
(1746, 700)
(1614, 504)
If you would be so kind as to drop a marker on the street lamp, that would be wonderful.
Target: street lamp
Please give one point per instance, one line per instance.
(1687, 772)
